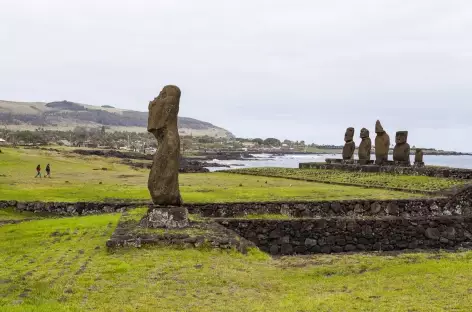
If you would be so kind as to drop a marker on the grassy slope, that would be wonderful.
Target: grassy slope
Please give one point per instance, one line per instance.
(75, 179)
(62, 265)
(421, 183)
(11, 214)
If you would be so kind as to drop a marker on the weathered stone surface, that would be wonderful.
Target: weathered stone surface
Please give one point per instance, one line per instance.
(307, 209)
(310, 242)
(393, 167)
(384, 234)
(401, 152)
(366, 145)
(350, 146)
(419, 157)
(432, 233)
(129, 232)
(382, 144)
(460, 203)
(163, 183)
(392, 209)
(375, 208)
(166, 217)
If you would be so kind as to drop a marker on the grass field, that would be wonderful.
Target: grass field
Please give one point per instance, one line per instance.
(11, 214)
(63, 265)
(84, 178)
(415, 183)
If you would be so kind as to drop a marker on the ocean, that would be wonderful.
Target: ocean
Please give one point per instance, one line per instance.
(292, 161)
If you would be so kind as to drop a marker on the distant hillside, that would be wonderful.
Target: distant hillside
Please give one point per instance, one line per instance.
(65, 115)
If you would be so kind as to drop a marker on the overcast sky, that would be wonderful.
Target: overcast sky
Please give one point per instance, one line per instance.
(301, 70)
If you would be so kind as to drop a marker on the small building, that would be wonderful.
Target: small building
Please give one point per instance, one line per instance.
(249, 144)
(64, 143)
(3, 142)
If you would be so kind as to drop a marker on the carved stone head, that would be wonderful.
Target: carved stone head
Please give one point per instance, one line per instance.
(349, 135)
(401, 137)
(364, 133)
(164, 109)
(378, 127)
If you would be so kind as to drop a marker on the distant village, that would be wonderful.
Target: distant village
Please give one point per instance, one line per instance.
(145, 142)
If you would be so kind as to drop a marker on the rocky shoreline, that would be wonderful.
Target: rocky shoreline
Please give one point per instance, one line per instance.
(187, 165)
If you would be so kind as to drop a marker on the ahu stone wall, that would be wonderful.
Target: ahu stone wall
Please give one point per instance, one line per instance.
(332, 235)
(441, 172)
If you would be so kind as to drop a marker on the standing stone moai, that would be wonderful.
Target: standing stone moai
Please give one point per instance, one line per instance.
(163, 183)
(401, 152)
(365, 147)
(419, 157)
(382, 144)
(350, 146)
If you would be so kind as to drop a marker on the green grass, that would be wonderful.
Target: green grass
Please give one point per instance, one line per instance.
(81, 178)
(266, 216)
(62, 265)
(380, 180)
(11, 214)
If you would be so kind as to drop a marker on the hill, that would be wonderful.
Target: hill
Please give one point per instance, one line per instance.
(66, 115)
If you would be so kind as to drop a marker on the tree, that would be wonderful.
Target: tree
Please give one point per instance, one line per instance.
(272, 142)
(258, 141)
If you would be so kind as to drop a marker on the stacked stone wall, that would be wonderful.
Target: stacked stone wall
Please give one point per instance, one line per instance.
(332, 235)
(312, 209)
(456, 173)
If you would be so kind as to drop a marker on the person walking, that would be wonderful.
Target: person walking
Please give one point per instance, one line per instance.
(38, 170)
(48, 171)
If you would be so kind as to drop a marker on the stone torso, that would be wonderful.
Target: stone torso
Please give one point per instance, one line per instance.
(365, 148)
(348, 150)
(163, 183)
(419, 156)
(382, 145)
(401, 152)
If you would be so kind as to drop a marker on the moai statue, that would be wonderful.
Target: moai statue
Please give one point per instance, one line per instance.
(401, 152)
(365, 147)
(163, 183)
(350, 146)
(382, 144)
(419, 157)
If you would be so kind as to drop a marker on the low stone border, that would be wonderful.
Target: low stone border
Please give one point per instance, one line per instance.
(70, 209)
(307, 236)
(439, 172)
(309, 209)
(351, 208)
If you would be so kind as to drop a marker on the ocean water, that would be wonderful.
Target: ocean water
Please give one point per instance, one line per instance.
(292, 161)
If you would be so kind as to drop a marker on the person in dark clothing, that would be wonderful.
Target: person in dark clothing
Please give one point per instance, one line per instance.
(48, 171)
(38, 170)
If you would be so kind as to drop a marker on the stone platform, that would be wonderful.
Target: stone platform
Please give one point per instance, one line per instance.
(197, 233)
(165, 217)
(396, 168)
(305, 227)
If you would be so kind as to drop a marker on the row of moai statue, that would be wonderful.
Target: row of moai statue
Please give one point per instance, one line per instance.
(401, 151)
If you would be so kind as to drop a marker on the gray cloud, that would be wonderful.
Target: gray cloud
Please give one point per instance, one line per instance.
(297, 70)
